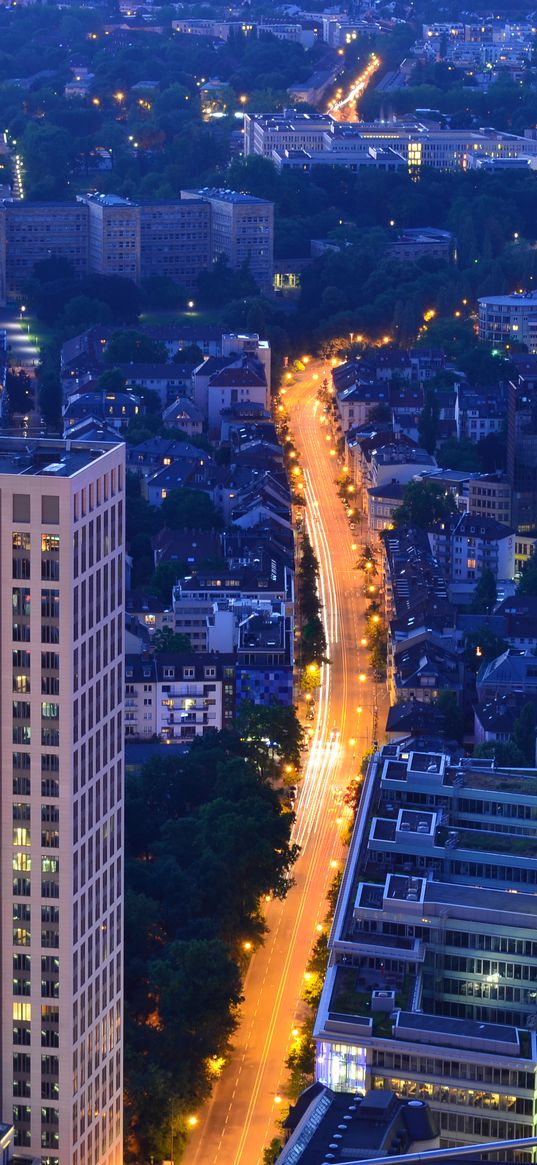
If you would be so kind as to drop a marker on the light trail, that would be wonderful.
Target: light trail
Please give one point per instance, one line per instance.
(338, 108)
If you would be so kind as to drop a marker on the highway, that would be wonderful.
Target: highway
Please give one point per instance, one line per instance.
(239, 1120)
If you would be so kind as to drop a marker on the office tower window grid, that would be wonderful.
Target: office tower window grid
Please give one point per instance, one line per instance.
(62, 786)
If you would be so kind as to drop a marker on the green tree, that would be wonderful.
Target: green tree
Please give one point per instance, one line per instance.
(276, 723)
(453, 715)
(524, 733)
(167, 640)
(505, 752)
(485, 594)
(481, 646)
(190, 509)
(528, 577)
(455, 454)
(166, 575)
(423, 503)
(131, 347)
(112, 380)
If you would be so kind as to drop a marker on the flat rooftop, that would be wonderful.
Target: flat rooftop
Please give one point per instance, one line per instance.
(481, 897)
(45, 458)
(493, 1033)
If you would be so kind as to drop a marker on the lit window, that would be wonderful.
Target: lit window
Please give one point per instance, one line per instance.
(22, 1011)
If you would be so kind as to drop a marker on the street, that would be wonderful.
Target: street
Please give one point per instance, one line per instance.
(23, 356)
(239, 1121)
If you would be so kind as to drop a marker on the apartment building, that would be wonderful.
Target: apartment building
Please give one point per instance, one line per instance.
(178, 696)
(466, 546)
(175, 239)
(242, 230)
(33, 231)
(61, 742)
(507, 318)
(114, 235)
(432, 976)
(522, 447)
(489, 496)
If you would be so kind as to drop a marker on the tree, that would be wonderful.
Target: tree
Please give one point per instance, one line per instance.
(169, 641)
(190, 509)
(53, 268)
(505, 752)
(424, 502)
(524, 732)
(428, 422)
(166, 575)
(459, 454)
(485, 594)
(452, 714)
(528, 577)
(481, 647)
(131, 347)
(112, 380)
(275, 723)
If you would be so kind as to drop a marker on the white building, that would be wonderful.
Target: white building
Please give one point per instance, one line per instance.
(504, 319)
(61, 742)
(178, 696)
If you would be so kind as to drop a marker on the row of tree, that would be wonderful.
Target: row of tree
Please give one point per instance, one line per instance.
(312, 635)
(206, 841)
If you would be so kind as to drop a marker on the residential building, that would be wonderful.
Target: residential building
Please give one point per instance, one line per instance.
(415, 590)
(109, 235)
(355, 401)
(114, 235)
(421, 664)
(265, 658)
(466, 546)
(33, 231)
(504, 319)
(489, 496)
(241, 381)
(175, 239)
(242, 230)
(373, 1124)
(513, 671)
(178, 697)
(427, 921)
(260, 575)
(495, 720)
(382, 501)
(478, 414)
(62, 532)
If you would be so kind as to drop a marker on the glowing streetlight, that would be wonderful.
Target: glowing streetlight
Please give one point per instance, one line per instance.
(192, 1121)
(362, 678)
(247, 946)
(190, 305)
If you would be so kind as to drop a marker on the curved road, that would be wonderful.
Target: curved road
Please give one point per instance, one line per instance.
(239, 1120)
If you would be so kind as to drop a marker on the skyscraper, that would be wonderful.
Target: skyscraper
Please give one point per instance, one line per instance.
(61, 616)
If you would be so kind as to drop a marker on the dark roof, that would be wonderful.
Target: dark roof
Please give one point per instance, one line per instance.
(230, 377)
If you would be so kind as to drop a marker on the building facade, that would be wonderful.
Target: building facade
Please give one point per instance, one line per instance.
(33, 231)
(432, 974)
(61, 741)
(103, 233)
(242, 230)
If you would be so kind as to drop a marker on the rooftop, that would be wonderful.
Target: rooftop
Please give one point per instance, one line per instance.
(48, 458)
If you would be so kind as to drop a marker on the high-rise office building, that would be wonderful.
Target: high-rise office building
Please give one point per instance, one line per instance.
(61, 628)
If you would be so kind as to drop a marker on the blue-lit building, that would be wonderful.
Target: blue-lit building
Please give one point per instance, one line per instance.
(264, 668)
